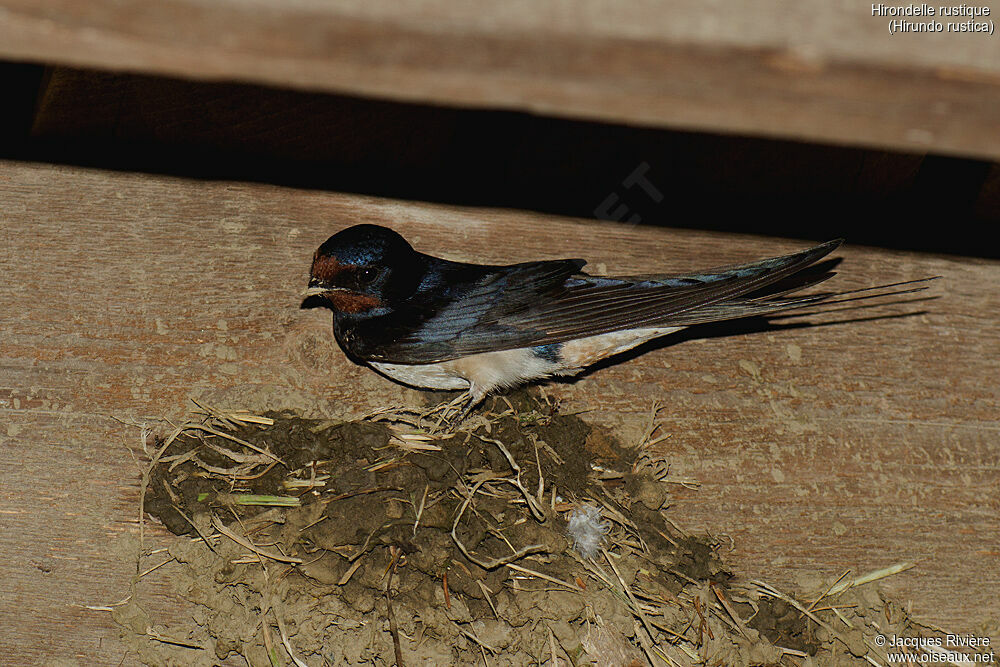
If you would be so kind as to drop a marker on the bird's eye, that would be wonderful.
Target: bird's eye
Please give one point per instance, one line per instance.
(366, 275)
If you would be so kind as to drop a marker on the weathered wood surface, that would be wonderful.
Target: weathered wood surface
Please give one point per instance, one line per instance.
(805, 70)
(819, 449)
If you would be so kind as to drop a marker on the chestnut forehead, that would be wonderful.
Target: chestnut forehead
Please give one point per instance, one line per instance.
(326, 267)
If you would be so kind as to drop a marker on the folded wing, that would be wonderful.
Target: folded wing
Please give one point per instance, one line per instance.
(551, 302)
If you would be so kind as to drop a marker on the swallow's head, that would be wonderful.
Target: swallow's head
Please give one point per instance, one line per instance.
(363, 269)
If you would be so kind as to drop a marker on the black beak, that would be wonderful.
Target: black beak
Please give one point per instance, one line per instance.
(314, 295)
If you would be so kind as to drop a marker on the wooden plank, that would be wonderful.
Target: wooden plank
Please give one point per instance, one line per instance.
(470, 157)
(804, 70)
(854, 445)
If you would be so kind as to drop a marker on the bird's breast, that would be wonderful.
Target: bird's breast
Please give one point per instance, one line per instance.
(489, 370)
(423, 376)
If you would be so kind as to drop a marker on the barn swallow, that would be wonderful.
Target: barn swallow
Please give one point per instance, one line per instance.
(438, 324)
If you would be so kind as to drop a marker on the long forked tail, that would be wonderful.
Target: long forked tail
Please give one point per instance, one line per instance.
(775, 299)
(762, 287)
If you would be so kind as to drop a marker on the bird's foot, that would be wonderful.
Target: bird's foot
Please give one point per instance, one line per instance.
(449, 416)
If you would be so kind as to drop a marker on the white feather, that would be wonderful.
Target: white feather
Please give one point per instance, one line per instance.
(482, 373)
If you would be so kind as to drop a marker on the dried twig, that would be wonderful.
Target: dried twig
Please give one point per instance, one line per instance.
(144, 485)
(153, 634)
(489, 600)
(350, 572)
(533, 505)
(542, 575)
(203, 536)
(284, 638)
(828, 589)
(194, 426)
(869, 577)
(493, 562)
(393, 628)
(631, 596)
(474, 638)
(771, 591)
(419, 509)
(273, 555)
(729, 610)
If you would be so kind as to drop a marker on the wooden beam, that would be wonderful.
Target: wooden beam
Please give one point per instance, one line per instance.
(809, 70)
(855, 445)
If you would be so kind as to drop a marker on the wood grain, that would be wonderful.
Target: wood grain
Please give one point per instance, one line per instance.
(853, 445)
(811, 70)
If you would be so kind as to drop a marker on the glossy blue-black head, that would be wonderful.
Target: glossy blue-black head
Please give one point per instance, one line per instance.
(363, 268)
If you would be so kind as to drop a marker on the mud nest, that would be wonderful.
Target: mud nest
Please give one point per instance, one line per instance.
(530, 537)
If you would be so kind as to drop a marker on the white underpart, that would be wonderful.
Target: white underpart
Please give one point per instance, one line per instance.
(482, 373)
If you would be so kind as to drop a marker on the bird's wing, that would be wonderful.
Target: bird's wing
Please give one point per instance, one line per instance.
(549, 302)
(457, 300)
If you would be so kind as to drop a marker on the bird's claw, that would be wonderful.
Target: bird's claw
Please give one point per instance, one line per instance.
(449, 416)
